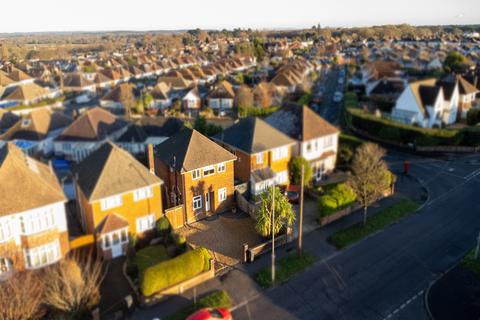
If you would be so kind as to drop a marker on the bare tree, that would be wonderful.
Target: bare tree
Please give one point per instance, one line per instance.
(370, 175)
(73, 285)
(21, 297)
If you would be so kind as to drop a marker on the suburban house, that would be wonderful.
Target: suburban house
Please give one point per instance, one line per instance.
(118, 198)
(33, 224)
(222, 97)
(147, 131)
(34, 132)
(87, 133)
(77, 82)
(198, 176)
(161, 97)
(116, 98)
(427, 103)
(263, 153)
(27, 94)
(468, 93)
(192, 101)
(317, 139)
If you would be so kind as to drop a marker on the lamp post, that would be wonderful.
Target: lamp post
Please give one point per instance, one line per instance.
(273, 234)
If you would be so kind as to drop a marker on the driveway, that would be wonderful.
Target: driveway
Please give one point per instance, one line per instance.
(224, 235)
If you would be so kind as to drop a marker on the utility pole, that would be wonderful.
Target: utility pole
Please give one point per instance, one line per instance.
(477, 248)
(300, 226)
(273, 234)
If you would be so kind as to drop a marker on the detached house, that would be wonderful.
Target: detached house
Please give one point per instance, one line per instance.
(317, 139)
(34, 132)
(263, 153)
(116, 98)
(222, 97)
(33, 225)
(118, 198)
(87, 133)
(198, 175)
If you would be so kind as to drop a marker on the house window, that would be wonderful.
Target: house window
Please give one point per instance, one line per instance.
(222, 194)
(328, 141)
(67, 147)
(111, 202)
(146, 223)
(196, 174)
(279, 153)
(221, 167)
(106, 241)
(42, 255)
(197, 202)
(5, 230)
(37, 221)
(142, 193)
(259, 158)
(208, 171)
(281, 177)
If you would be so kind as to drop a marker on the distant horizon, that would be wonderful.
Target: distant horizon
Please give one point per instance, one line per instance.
(49, 16)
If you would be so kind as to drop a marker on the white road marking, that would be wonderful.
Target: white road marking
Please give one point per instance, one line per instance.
(404, 305)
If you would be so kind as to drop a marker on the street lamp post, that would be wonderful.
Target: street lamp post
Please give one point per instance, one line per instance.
(273, 234)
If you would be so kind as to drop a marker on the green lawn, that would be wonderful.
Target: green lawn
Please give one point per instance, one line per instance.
(285, 268)
(218, 299)
(382, 219)
(150, 256)
(469, 262)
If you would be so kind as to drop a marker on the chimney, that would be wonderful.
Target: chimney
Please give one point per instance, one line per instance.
(151, 162)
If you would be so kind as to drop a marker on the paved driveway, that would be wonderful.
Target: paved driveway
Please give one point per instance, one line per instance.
(223, 235)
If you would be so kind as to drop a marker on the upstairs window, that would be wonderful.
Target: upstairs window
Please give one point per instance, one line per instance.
(328, 141)
(111, 202)
(142, 193)
(259, 158)
(208, 171)
(280, 153)
(221, 167)
(196, 174)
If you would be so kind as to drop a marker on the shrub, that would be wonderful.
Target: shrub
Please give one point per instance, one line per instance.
(163, 226)
(295, 168)
(335, 199)
(173, 271)
(473, 117)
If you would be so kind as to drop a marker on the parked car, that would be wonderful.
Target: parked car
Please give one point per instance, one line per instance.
(211, 314)
(292, 192)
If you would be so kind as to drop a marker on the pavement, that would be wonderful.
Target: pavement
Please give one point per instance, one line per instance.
(369, 280)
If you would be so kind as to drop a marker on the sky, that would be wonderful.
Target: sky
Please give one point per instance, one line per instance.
(142, 15)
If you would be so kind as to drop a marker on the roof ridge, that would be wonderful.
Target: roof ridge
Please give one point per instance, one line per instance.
(192, 132)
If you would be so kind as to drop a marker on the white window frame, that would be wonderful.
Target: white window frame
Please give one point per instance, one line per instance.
(196, 174)
(42, 255)
(142, 193)
(197, 203)
(108, 237)
(111, 202)
(221, 167)
(5, 230)
(222, 194)
(145, 223)
(209, 168)
(37, 221)
(279, 153)
(259, 158)
(328, 141)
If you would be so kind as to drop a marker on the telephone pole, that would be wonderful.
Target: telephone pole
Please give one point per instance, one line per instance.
(300, 226)
(477, 248)
(273, 234)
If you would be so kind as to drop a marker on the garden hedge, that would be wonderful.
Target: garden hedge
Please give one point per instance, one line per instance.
(402, 133)
(335, 199)
(173, 271)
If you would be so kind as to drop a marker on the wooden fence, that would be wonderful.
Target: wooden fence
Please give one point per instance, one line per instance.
(175, 216)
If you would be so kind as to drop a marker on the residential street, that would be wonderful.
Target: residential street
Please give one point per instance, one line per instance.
(382, 277)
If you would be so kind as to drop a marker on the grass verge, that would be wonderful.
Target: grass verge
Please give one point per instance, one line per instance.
(218, 299)
(469, 262)
(382, 219)
(286, 268)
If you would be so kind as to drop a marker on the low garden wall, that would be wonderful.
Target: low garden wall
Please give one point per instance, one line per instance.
(249, 254)
(245, 205)
(338, 215)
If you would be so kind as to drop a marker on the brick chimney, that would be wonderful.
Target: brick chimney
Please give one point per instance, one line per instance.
(151, 161)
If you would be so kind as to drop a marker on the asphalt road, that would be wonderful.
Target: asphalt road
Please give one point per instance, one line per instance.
(328, 84)
(386, 275)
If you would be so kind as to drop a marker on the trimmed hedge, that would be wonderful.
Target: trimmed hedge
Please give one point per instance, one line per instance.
(402, 133)
(173, 271)
(335, 199)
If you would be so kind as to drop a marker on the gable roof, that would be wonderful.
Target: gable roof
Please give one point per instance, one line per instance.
(7, 119)
(415, 89)
(189, 149)
(253, 135)
(25, 92)
(93, 125)
(122, 92)
(300, 123)
(36, 125)
(109, 171)
(466, 87)
(25, 183)
(224, 90)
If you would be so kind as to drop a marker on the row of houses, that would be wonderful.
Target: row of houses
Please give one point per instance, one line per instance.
(188, 177)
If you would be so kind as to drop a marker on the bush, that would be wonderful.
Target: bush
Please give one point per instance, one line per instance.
(218, 299)
(335, 199)
(163, 226)
(173, 271)
(295, 168)
(149, 256)
(473, 117)
(401, 132)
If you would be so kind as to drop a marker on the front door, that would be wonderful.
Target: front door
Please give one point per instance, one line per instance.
(116, 245)
(207, 202)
